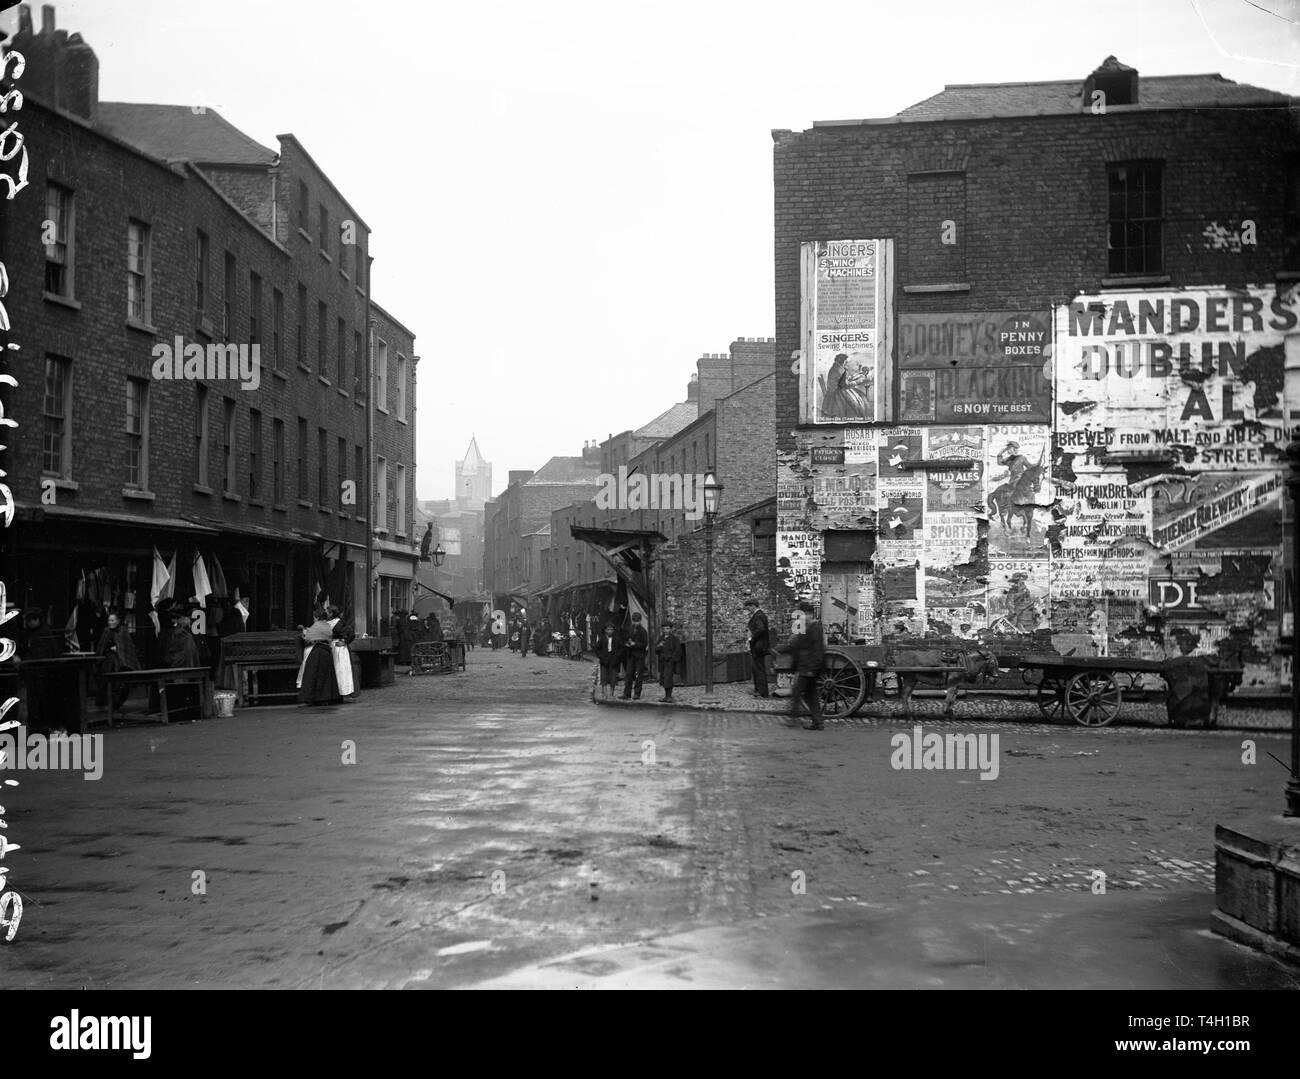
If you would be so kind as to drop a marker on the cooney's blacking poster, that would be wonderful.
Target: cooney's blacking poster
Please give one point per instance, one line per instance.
(847, 314)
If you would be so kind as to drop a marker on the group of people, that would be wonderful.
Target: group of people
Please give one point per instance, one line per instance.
(624, 655)
(325, 675)
(181, 640)
(539, 633)
(408, 629)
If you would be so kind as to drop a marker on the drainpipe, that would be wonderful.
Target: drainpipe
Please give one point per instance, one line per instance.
(371, 627)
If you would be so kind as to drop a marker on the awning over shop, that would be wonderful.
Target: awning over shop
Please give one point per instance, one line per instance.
(277, 535)
(628, 552)
(34, 513)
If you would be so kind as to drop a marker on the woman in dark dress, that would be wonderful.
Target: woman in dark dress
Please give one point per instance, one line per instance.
(317, 683)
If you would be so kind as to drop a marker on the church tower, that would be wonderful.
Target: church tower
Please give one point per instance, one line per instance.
(473, 479)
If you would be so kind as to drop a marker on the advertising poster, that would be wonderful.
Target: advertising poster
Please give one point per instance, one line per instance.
(847, 302)
(1017, 468)
(844, 496)
(1102, 508)
(859, 445)
(956, 490)
(799, 562)
(975, 367)
(902, 516)
(896, 448)
(1187, 511)
(1197, 372)
(1111, 569)
(1018, 596)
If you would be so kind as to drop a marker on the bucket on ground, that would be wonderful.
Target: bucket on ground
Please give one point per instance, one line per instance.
(225, 702)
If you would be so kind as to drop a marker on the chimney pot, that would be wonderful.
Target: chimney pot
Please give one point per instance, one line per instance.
(47, 18)
(25, 19)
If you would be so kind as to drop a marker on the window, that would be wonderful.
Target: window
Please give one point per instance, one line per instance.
(302, 459)
(1135, 243)
(401, 387)
(201, 436)
(228, 299)
(266, 600)
(324, 230)
(56, 450)
(343, 470)
(138, 271)
(359, 474)
(277, 462)
(277, 327)
(401, 501)
(708, 458)
(936, 228)
(254, 453)
(343, 247)
(254, 309)
(343, 355)
(303, 201)
(59, 251)
(228, 448)
(322, 468)
(201, 273)
(137, 433)
(381, 495)
(381, 377)
(322, 318)
(302, 325)
(359, 368)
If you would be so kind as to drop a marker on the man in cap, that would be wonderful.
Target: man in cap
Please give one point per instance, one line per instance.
(809, 651)
(669, 650)
(760, 645)
(635, 649)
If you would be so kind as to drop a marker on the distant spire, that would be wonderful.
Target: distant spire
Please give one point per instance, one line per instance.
(472, 458)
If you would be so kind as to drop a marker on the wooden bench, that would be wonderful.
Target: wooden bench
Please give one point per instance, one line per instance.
(162, 677)
(251, 654)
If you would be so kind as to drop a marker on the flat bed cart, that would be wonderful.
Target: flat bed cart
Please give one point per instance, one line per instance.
(848, 676)
(1090, 689)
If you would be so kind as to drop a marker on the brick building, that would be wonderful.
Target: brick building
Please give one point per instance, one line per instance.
(171, 236)
(1019, 315)
(517, 523)
(734, 438)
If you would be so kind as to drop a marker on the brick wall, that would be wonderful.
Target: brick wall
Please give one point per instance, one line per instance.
(1036, 203)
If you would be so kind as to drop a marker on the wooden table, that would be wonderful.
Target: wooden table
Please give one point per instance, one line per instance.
(79, 665)
(162, 677)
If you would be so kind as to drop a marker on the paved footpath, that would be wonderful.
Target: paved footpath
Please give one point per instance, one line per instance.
(497, 828)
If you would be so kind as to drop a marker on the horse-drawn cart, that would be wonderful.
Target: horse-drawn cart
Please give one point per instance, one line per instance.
(1088, 690)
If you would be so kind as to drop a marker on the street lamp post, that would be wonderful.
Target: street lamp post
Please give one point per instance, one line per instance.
(712, 496)
(1293, 484)
(439, 555)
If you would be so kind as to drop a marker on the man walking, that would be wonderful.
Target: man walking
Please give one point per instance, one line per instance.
(809, 652)
(637, 645)
(669, 651)
(759, 646)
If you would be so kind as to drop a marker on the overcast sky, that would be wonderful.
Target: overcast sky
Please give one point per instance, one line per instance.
(571, 201)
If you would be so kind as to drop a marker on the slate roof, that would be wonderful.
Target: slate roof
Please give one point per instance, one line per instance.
(565, 470)
(177, 133)
(669, 422)
(1065, 96)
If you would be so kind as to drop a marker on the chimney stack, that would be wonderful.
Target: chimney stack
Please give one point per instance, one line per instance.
(62, 69)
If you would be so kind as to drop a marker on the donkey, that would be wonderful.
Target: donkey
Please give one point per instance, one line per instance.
(980, 665)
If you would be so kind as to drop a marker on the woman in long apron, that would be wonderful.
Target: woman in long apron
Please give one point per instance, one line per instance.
(317, 683)
(342, 637)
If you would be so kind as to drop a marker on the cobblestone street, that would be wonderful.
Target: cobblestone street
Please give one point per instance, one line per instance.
(496, 820)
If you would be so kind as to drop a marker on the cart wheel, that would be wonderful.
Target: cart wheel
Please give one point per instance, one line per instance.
(1093, 699)
(1051, 699)
(844, 687)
